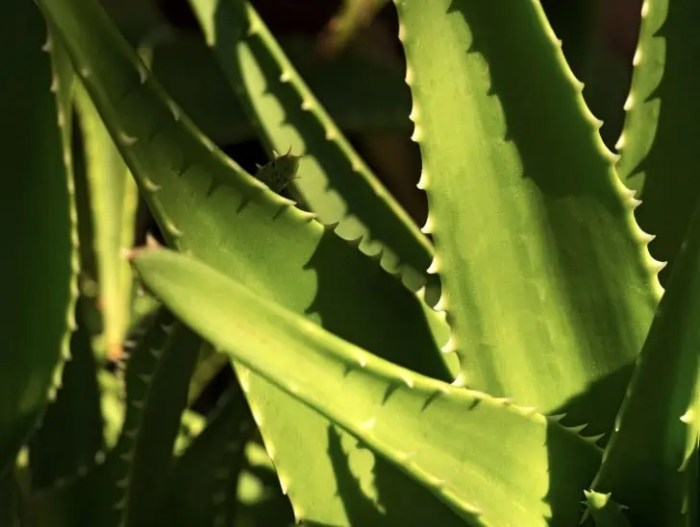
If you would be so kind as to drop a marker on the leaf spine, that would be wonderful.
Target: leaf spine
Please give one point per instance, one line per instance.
(126, 139)
(143, 73)
(434, 267)
(460, 381)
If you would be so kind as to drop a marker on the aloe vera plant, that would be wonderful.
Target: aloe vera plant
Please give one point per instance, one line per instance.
(521, 366)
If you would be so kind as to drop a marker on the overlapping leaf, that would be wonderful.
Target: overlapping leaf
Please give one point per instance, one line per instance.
(651, 463)
(334, 181)
(37, 263)
(546, 281)
(450, 440)
(659, 143)
(205, 204)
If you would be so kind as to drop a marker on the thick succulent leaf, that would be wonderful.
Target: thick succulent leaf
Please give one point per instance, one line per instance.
(650, 464)
(157, 379)
(547, 285)
(207, 205)
(126, 484)
(334, 181)
(71, 430)
(359, 94)
(112, 404)
(38, 263)
(659, 142)
(204, 480)
(113, 200)
(450, 440)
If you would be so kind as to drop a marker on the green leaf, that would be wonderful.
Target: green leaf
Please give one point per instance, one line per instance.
(359, 93)
(206, 205)
(113, 199)
(204, 480)
(38, 261)
(125, 485)
(546, 282)
(334, 181)
(157, 379)
(650, 464)
(450, 440)
(71, 431)
(659, 142)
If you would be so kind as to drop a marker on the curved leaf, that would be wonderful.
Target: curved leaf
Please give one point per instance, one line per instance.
(334, 181)
(113, 202)
(659, 141)
(204, 480)
(546, 283)
(71, 433)
(650, 465)
(474, 452)
(206, 205)
(38, 260)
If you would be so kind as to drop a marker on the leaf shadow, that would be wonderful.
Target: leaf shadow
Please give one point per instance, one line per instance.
(400, 500)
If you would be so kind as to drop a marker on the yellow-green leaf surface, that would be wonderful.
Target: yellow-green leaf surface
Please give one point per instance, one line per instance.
(659, 141)
(650, 465)
(334, 181)
(206, 205)
(491, 462)
(113, 199)
(37, 261)
(547, 285)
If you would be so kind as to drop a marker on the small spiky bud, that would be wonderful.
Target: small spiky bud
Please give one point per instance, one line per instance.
(279, 172)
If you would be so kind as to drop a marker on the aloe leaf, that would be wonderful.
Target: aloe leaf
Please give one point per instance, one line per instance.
(448, 439)
(112, 405)
(71, 432)
(206, 205)
(204, 479)
(200, 197)
(157, 379)
(38, 260)
(547, 285)
(658, 141)
(125, 484)
(113, 200)
(334, 181)
(650, 464)
(358, 93)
